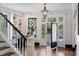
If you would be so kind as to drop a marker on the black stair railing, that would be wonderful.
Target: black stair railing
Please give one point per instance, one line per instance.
(21, 42)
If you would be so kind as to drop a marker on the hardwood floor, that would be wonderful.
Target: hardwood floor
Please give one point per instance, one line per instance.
(47, 51)
(70, 52)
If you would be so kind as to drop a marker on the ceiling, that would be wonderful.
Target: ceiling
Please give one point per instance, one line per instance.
(37, 7)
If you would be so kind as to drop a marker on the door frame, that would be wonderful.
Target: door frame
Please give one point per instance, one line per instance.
(59, 15)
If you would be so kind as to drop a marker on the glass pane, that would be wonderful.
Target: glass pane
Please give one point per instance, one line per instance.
(48, 28)
(60, 19)
(60, 31)
(48, 36)
(43, 30)
(52, 19)
(43, 20)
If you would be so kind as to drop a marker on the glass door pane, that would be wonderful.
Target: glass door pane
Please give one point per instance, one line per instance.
(43, 31)
(48, 37)
(60, 31)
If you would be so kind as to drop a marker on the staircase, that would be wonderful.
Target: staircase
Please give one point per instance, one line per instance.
(6, 50)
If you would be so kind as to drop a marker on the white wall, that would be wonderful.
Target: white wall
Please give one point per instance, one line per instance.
(68, 25)
(75, 24)
(25, 24)
(68, 28)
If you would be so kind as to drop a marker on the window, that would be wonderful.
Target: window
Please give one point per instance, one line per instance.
(48, 28)
(60, 31)
(52, 19)
(60, 19)
(32, 26)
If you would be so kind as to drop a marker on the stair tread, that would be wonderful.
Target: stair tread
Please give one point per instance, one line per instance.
(4, 47)
(2, 41)
(8, 54)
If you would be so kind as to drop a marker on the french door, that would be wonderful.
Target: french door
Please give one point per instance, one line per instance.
(54, 33)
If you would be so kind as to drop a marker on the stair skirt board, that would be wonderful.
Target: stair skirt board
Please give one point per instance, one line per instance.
(5, 51)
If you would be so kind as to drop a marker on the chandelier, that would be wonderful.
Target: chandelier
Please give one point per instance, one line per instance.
(44, 11)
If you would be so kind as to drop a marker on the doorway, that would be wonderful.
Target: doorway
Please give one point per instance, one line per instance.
(47, 30)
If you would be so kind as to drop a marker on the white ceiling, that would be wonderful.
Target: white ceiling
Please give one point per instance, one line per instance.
(37, 7)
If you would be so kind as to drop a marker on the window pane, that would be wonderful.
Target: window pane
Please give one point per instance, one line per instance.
(60, 31)
(52, 19)
(43, 30)
(48, 28)
(31, 26)
(43, 20)
(60, 19)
